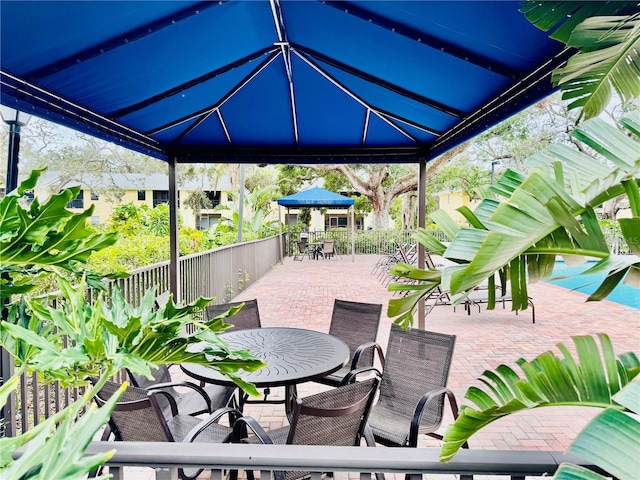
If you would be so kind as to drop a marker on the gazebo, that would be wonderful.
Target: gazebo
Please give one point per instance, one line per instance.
(277, 81)
(317, 197)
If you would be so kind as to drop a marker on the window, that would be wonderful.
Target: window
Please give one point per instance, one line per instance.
(29, 197)
(162, 196)
(142, 195)
(78, 202)
(95, 220)
(95, 196)
(335, 222)
(214, 198)
(159, 197)
(207, 221)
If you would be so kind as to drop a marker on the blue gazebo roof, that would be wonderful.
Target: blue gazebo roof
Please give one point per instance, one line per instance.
(316, 197)
(276, 81)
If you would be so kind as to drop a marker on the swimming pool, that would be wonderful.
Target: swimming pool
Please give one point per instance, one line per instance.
(588, 284)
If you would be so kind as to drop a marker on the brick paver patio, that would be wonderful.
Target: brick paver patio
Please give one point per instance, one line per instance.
(301, 294)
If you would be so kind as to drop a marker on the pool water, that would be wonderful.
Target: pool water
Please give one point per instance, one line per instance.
(588, 284)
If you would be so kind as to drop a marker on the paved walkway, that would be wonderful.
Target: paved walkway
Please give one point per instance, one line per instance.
(301, 294)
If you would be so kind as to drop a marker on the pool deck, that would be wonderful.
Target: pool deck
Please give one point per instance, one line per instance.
(301, 294)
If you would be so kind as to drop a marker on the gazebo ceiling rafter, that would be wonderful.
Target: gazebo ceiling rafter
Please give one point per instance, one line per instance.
(380, 82)
(118, 41)
(421, 37)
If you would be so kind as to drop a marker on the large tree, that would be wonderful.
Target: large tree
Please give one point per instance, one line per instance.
(380, 183)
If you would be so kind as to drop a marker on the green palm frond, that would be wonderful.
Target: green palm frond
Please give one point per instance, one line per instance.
(550, 212)
(591, 379)
(609, 58)
(601, 440)
(607, 36)
(563, 17)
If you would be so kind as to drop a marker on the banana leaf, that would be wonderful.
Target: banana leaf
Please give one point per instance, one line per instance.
(548, 380)
(547, 213)
(611, 441)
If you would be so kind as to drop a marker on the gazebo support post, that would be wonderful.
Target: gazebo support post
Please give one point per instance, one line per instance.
(422, 213)
(174, 263)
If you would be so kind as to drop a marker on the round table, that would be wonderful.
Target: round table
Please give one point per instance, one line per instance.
(292, 355)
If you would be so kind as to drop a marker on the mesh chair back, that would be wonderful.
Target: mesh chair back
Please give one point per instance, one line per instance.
(356, 323)
(327, 247)
(160, 375)
(334, 417)
(136, 417)
(416, 361)
(248, 317)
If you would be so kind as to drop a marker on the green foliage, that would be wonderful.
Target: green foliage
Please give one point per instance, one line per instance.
(548, 380)
(607, 35)
(129, 253)
(550, 212)
(304, 218)
(108, 335)
(461, 176)
(55, 448)
(42, 239)
(600, 441)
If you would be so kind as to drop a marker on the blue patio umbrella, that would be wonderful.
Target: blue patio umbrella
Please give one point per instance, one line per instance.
(317, 197)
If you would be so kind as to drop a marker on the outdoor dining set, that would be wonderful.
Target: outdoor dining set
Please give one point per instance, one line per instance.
(315, 250)
(371, 395)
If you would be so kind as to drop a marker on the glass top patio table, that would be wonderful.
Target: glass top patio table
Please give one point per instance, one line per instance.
(292, 355)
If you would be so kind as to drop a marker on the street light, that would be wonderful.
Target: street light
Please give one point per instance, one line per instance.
(493, 168)
(15, 120)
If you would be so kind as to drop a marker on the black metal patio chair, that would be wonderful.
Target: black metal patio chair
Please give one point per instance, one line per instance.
(303, 250)
(336, 417)
(196, 401)
(139, 417)
(247, 317)
(412, 389)
(355, 323)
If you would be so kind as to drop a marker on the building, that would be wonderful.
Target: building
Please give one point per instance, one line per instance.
(450, 201)
(141, 189)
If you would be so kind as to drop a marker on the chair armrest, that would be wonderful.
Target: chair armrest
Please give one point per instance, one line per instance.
(172, 401)
(233, 413)
(362, 348)
(353, 374)
(192, 386)
(417, 414)
(240, 430)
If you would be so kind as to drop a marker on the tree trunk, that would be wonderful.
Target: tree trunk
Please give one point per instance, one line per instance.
(410, 211)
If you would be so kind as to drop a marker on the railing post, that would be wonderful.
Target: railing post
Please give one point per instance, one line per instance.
(8, 411)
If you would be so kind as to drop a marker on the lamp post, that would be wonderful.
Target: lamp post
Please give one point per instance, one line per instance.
(493, 168)
(16, 120)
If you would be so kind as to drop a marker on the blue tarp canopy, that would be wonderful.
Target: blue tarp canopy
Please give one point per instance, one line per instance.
(276, 81)
(316, 197)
